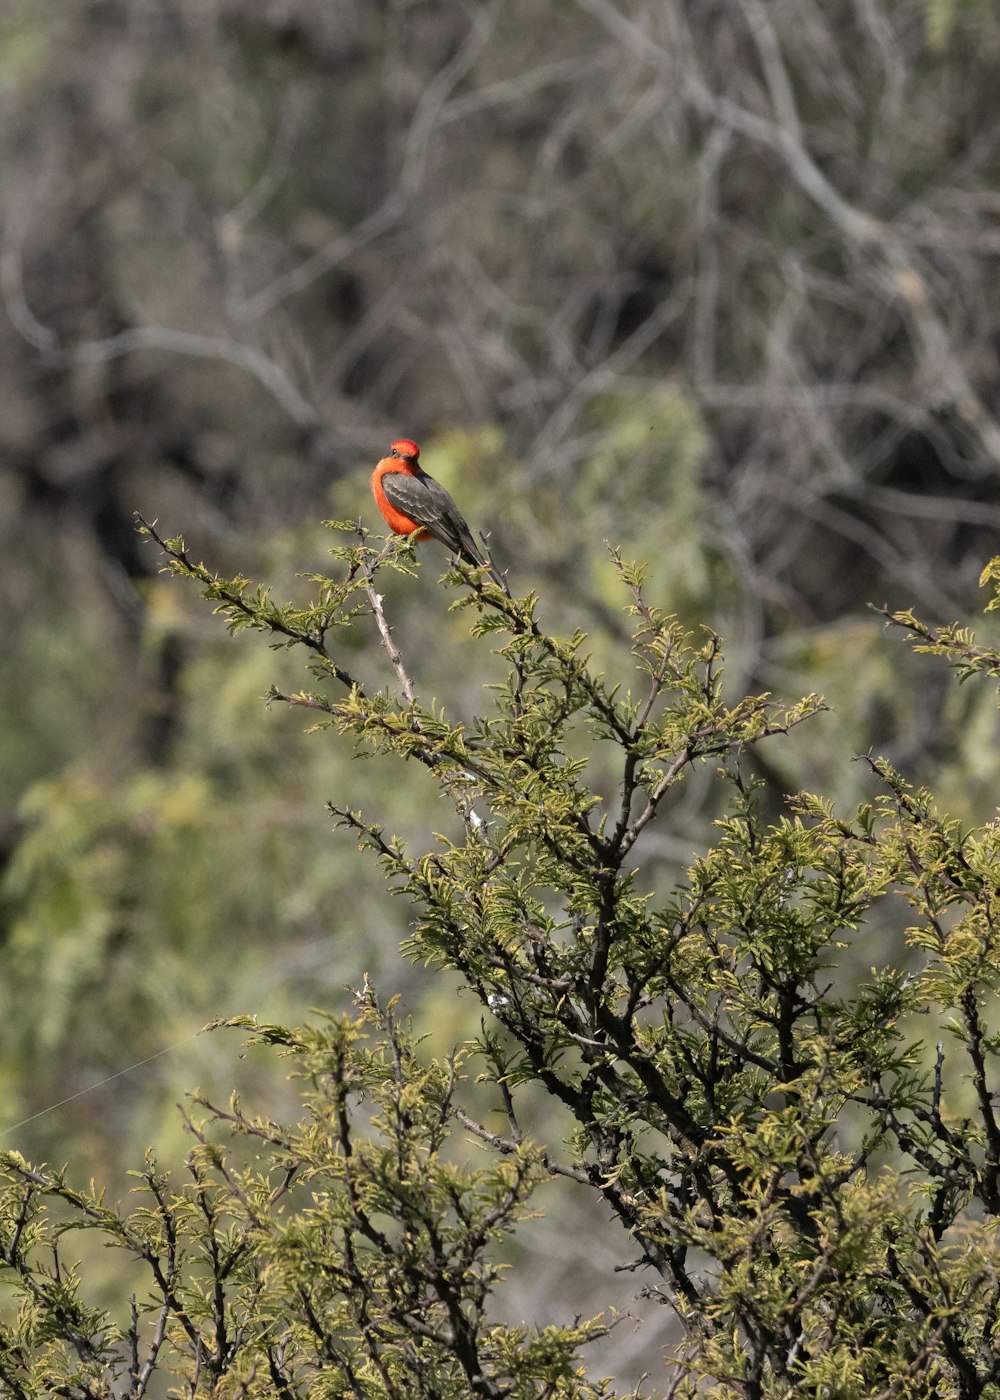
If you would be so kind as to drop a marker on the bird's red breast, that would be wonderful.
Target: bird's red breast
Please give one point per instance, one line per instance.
(402, 458)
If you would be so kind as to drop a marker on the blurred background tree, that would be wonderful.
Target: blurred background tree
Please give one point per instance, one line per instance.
(714, 284)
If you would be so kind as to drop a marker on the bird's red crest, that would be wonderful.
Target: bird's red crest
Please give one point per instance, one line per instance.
(406, 447)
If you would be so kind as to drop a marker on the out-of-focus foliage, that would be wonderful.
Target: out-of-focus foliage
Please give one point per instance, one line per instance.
(713, 283)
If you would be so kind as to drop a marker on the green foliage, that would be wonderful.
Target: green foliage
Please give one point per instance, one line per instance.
(808, 1171)
(348, 1255)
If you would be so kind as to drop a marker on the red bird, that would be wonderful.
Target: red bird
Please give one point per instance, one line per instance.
(413, 503)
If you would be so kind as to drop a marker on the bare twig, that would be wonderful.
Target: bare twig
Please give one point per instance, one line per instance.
(202, 347)
(375, 600)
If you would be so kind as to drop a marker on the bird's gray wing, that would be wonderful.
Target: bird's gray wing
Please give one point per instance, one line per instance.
(426, 501)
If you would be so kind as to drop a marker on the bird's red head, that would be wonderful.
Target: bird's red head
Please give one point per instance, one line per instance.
(406, 448)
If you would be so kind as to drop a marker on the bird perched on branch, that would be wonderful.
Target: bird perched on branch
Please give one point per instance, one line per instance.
(413, 503)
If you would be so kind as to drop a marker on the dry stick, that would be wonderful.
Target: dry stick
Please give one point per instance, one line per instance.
(378, 612)
(465, 808)
(473, 822)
